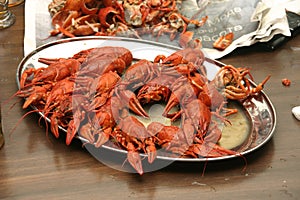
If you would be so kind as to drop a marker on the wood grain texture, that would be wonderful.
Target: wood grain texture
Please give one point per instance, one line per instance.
(34, 165)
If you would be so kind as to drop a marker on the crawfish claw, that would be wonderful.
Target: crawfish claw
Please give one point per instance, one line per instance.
(135, 160)
(134, 103)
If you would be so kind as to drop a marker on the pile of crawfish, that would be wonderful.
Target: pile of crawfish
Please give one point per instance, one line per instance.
(99, 92)
(131, 18)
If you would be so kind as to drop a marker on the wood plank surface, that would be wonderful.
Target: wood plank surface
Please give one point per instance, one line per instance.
(34, 165)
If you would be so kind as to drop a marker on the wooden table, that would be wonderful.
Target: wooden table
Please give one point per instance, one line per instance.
(34, 165)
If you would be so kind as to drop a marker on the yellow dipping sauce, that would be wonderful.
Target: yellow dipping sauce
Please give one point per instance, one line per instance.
(235, 134)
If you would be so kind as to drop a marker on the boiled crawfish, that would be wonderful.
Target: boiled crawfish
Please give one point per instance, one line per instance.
(127, 18)
(135, 76)
(156, 90)
(99, 124)
(54, 72)
(105, 59)
(234, 84)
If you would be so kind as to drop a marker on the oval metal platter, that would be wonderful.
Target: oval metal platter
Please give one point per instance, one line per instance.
(257, 111)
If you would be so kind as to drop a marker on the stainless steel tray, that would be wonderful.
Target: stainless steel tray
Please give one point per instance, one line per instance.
(258, 110)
